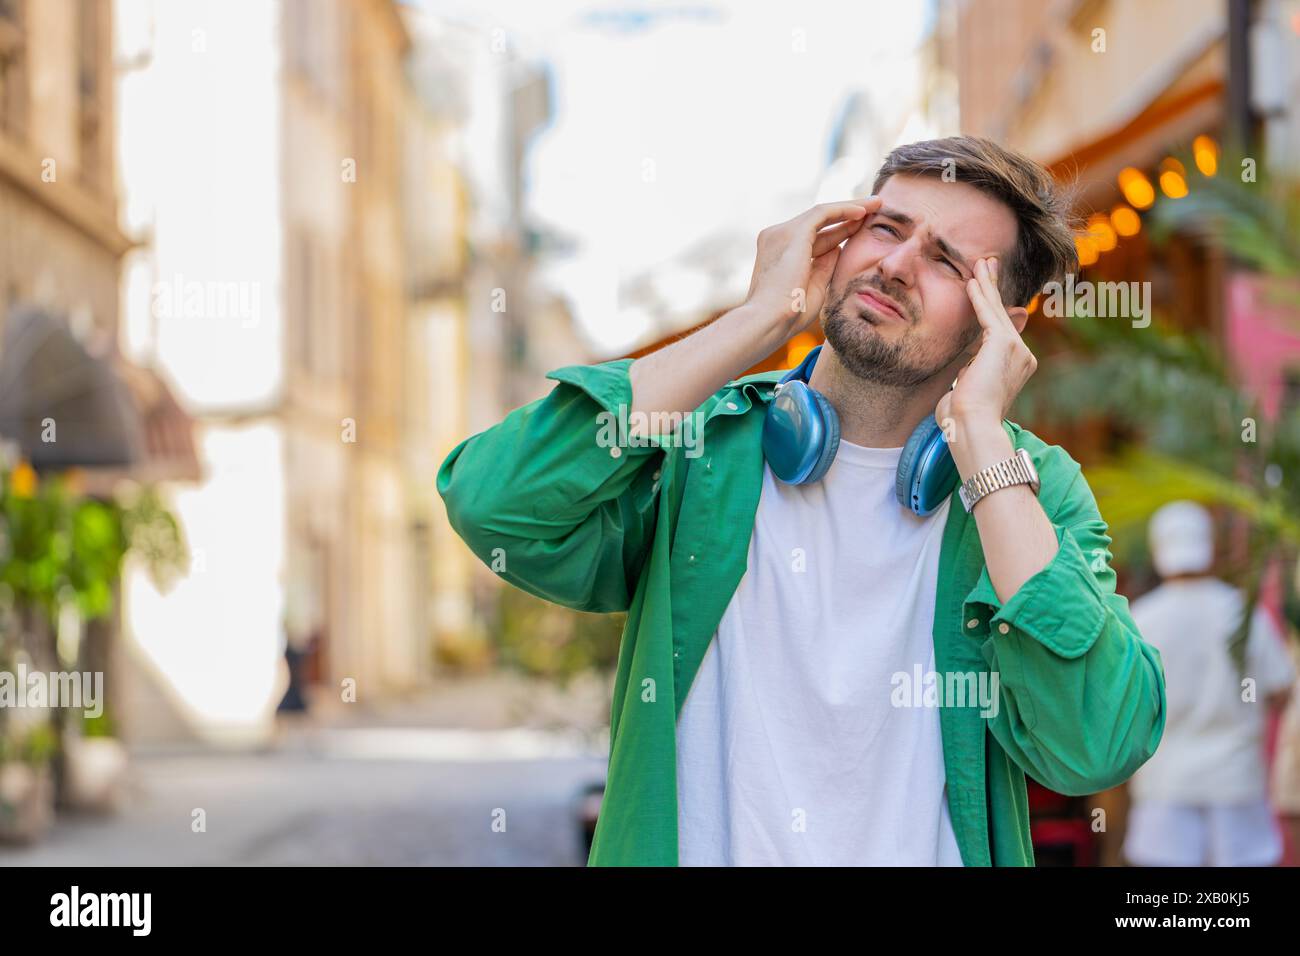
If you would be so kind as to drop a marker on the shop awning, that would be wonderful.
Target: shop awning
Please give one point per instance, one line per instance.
(67, 408)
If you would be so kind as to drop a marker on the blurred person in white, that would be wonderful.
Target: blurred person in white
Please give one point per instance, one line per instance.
(1286, 761)
(1202, 800)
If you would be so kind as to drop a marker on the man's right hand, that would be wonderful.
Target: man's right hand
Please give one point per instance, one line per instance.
(796, 259)
(792, 269)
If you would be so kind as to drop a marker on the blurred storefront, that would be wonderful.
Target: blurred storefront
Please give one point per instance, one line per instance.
(59, 239)
(1093, 89)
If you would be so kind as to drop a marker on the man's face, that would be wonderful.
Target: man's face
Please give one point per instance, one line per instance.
(916, 253)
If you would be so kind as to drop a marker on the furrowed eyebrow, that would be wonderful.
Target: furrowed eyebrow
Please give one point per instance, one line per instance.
(902, 218)
(943, 245)
(946, 248)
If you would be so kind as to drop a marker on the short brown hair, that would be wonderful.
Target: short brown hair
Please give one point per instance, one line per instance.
(1045, 249)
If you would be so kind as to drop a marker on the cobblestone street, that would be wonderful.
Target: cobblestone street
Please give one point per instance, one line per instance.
(353, 796)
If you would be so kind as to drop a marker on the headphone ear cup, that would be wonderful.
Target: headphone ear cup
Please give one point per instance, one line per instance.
(907, 462)
(801, 433)
(926, 472)
(831, 443)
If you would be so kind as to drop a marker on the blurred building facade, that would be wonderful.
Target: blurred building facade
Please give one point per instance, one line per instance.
(438, 209)
(264, 164)
(59, 238)
(477, 104)
(350, 173)
(61, 252)
(358, 557)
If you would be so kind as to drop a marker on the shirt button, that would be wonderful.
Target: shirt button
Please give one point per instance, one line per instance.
(615, 452)
(691, 558)
(1003, 628)
(732, 405)
(655, 476)
(973, 622)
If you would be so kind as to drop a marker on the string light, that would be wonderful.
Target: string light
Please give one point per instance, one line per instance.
(1173, 178)
(1087, 250)
(1125, 221)
(1102, 232)
(1135, 186)
(1206, 153)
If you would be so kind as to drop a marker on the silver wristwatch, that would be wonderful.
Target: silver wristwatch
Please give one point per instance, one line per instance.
(1016, 470)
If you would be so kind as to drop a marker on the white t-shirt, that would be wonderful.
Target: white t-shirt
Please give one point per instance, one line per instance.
(1212, 750)
(789, 751)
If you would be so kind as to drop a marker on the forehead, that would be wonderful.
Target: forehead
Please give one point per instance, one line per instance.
(973, 222)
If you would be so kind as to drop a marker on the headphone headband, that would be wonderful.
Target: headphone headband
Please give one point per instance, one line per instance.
(803, 371)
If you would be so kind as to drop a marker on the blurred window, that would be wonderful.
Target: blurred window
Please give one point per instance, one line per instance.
(303, 293)
(13, 69)
(91, 56)
(312, 41)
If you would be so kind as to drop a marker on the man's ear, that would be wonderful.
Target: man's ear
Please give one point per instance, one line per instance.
(1018, 315)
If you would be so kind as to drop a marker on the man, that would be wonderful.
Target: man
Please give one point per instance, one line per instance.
(779, 674)
(1203, 799)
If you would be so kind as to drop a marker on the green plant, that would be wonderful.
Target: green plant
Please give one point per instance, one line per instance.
(60, 549)
(35, 747)
(59, 545)
(546, 640)
(101, 726)
(1246, 213)
(154, 536)
(1187, 428)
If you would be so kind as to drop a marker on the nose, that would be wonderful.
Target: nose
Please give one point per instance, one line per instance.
(899, 264)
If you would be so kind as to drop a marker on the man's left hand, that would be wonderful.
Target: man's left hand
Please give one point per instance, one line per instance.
(990, 382)
(971, 413)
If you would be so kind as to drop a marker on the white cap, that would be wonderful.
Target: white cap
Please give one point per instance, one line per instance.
(1181, 535)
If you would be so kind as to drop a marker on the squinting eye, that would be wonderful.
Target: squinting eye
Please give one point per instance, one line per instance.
(881, 225)
(955, 270)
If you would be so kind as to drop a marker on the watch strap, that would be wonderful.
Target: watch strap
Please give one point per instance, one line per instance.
(1016, 470)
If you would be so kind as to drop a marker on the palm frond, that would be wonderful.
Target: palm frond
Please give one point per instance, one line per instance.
(1131, 488)
(1256, 222)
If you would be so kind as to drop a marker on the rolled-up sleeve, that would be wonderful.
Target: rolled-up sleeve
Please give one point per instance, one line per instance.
(556, 498)
(1082, 695)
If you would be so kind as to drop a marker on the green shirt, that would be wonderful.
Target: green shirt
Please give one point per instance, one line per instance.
(662, 531)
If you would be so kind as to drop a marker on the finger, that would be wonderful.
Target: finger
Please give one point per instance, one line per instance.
(984, 311)
(850, 226)
(831, 237)
(823, 267)
(989, 294)
(985, 272)
(832, 212)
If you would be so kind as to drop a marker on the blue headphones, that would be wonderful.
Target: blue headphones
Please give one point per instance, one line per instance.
(801, 434)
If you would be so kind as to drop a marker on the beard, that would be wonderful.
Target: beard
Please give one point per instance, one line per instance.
(862, 350)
